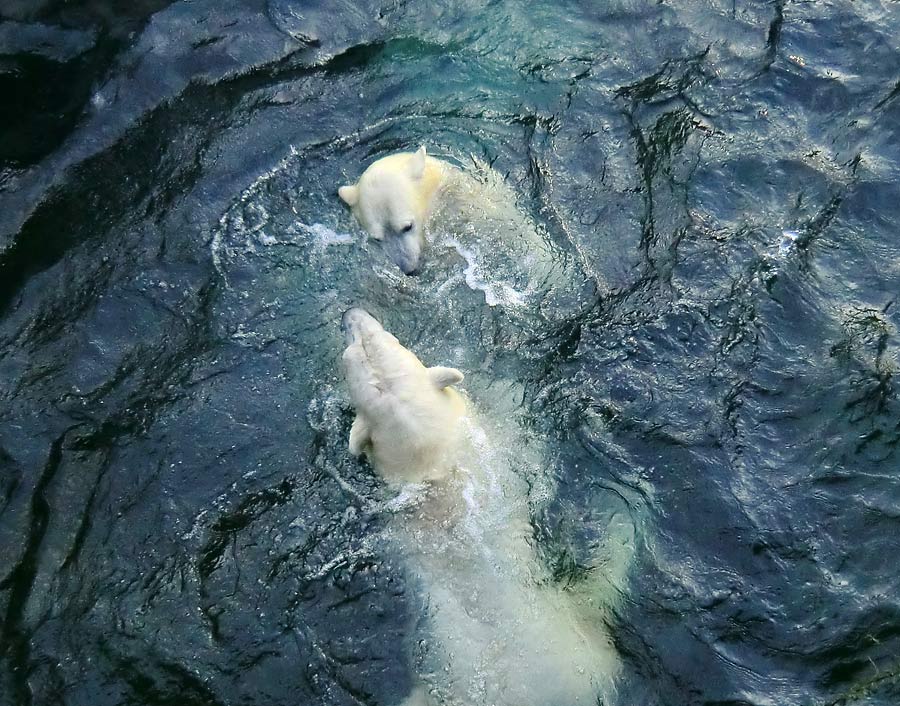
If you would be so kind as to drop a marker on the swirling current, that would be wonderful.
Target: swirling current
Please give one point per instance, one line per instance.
(695, 398)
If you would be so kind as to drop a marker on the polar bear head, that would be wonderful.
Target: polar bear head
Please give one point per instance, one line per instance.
(392, 201)
(407, 416)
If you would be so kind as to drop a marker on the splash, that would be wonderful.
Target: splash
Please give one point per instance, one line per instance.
(494, 293)
(788, 242)
(324, 236)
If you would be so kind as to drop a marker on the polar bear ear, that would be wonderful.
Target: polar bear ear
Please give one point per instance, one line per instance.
(443, 377)
(349, 195)
(417, 163)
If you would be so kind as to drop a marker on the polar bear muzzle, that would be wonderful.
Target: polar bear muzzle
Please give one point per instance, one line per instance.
(354, 321)
(404, 247)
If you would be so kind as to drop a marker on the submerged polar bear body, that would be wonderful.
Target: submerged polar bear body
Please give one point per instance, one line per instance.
(496, 631)
(407, 416)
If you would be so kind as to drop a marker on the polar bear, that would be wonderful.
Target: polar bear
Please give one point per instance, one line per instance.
(495, 631)
(393, 200)
(402, 198)
(407, 416)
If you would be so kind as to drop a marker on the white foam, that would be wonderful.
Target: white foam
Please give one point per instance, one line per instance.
(788, 242)
(325, 236)
(494, 293)
(243, 238)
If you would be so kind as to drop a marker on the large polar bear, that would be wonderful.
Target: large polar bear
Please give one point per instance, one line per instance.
(495, 630)
(409, 200)
(407, 416)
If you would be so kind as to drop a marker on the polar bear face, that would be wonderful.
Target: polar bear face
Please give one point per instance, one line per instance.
(392, 201)
(407, 416)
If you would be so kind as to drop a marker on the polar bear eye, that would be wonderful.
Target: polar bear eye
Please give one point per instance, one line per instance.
(408, 227)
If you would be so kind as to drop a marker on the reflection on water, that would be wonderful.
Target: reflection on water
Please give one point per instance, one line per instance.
(703, 393)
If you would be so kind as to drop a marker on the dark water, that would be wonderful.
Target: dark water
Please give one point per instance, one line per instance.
(721, 183)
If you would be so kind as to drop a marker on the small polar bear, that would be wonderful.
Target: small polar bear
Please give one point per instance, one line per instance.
(393, 201)
(407, 416)
(403, 197)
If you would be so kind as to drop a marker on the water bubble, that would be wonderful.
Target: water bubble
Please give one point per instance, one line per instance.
(788, 241)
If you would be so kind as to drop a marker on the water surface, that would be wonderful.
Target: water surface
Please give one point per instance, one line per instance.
(710, 382)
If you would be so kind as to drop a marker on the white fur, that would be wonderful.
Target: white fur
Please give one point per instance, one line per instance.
(407, 416)
(400, 199)
(496, 632)
(393, 201)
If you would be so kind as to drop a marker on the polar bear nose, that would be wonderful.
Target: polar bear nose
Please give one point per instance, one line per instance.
(404, 246)
(352, 319)
(407, 256)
